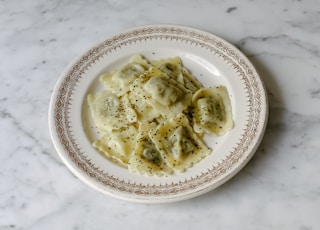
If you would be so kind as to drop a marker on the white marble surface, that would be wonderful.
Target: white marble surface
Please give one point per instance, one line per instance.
(278, 189)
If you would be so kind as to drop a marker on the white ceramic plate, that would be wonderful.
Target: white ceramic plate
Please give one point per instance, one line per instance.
(211, 59)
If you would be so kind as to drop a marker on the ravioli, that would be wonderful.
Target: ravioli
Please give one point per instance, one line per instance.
(144, 111)
(153, 115)
(111, 112)
(164, 94)
(174, 69)
(178, 144)
(118, 82)
(190, 81)
(146, 158)
(212, 111)
(117, 145)
(171, 67)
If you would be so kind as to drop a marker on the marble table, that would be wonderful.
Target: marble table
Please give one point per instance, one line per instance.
(278, 189)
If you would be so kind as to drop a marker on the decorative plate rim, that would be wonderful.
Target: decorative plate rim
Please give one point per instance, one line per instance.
(82, 167)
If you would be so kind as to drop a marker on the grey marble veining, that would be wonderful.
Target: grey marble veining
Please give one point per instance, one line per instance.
(278, 189)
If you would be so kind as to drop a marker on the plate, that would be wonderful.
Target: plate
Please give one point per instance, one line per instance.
(211, 59)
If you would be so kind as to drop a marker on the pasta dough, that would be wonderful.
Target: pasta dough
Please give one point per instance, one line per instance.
(174, 69)
(178, 144)
(164, 94)
(144, 111)
(212, 111)
(117, 145)
(118, 81)
(146, 158)
(111, 112)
